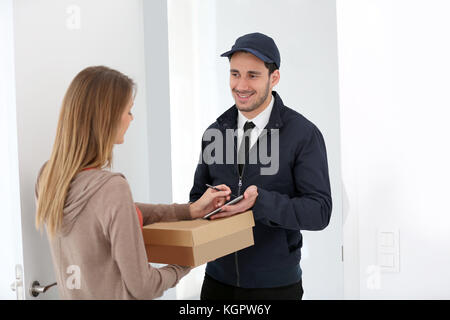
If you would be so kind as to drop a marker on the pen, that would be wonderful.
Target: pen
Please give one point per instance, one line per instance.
(212, 187)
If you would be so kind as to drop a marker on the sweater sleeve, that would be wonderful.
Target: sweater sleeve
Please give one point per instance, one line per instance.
(152, 213)
(127, 246)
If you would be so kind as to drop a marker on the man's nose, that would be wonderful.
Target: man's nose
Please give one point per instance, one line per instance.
(242, 85)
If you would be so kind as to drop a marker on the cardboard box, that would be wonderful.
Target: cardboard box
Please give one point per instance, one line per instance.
(195, 242)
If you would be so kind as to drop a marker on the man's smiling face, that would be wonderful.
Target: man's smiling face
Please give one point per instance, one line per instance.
(250, 83)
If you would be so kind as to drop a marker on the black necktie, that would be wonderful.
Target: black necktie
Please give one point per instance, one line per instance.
(244, 149)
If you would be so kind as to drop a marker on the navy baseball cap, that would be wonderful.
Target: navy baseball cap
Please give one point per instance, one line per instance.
(257, 44)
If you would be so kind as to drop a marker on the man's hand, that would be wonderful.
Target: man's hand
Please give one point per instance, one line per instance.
(249, 200)
(210, 200)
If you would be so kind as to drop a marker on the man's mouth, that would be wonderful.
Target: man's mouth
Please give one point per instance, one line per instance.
(243, 96)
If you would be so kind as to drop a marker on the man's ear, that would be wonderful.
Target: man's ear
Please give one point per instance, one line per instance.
(275, 78)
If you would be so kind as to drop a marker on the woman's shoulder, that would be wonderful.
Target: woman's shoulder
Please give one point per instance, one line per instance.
(105, 178)
(114, 179)
(103, 183)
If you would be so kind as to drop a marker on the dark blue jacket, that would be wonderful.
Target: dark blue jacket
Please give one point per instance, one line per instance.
(297, 198)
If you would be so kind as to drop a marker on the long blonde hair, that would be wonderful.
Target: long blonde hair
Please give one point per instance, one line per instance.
(87, 127)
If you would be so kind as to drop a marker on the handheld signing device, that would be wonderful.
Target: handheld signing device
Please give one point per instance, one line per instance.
(228, 203)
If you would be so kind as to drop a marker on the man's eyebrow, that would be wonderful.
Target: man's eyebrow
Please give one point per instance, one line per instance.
(249, 72)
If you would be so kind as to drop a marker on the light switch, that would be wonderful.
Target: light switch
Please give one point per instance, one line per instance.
(387, 260)
(387, 239)
(388, 250)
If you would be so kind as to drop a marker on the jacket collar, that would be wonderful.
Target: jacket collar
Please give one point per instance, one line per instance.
(228, 120)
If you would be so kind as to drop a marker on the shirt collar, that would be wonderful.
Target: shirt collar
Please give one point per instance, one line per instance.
(260, 120)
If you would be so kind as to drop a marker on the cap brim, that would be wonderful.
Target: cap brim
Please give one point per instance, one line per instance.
(252, 51)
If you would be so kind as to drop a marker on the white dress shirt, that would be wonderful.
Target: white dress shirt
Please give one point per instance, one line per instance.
(260, 122)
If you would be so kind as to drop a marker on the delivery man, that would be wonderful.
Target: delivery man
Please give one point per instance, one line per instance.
(295, 195)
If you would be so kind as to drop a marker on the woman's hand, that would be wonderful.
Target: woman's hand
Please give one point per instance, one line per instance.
(250, 195)
(210, 200)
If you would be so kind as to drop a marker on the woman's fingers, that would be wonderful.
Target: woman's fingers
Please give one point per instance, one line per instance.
(219, 197)
(224, 190)
(249, 200)
(219, 203)
(223, 187)
(217, 194)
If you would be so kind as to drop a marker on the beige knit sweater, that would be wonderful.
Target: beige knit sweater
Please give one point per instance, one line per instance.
(99, 252)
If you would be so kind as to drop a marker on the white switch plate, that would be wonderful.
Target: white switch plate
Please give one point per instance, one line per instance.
(388, 250)
(387, 260)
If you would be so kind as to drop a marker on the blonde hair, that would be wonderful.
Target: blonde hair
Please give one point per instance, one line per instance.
(87, 127)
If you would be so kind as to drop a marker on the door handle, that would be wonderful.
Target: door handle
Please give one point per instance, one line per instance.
(37, 289)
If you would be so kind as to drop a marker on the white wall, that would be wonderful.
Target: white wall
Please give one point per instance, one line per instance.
(158, 100)
(194, 102)
(160, 145)
(305, 32)
(51, 46)
(193, 91)
(394, 77)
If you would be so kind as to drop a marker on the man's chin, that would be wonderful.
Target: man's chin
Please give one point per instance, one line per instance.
(245, 108)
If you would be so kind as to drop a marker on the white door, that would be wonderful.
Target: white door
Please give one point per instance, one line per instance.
(24, 253)
(48, 42)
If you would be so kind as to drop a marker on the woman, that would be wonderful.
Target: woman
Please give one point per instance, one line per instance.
(94, 226)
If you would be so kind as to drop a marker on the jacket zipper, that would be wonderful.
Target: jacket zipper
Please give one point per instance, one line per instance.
(238, 194)
(236, 254)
